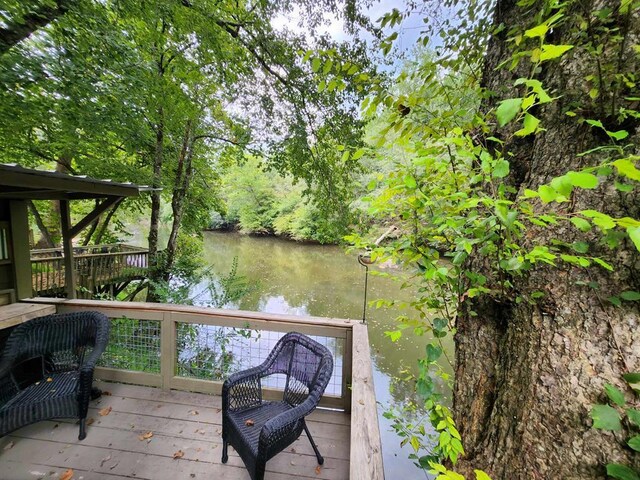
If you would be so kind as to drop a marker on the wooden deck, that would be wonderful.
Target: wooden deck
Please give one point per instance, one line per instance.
(180, 421)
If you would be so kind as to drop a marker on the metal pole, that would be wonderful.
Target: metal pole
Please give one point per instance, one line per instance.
(365, 260)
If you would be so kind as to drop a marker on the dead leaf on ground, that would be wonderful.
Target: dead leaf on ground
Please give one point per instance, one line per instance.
(90, 421)
(68, 475)
(105, 411)
(178, 454)
(51, 380)
(249, 423)
(318, 470)
(218, 410)
(145, 436)
(9, 446)
(105, 459)
(361, 402)
(106, 393)
(194, 412)
(293, 450)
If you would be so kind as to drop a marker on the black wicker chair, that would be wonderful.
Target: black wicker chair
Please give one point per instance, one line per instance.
(46, 369)
(260, 429)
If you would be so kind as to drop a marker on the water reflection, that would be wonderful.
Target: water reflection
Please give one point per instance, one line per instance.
(303, 279)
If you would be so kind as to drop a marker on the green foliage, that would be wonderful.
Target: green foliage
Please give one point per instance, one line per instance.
(607, 417)
(446, 181)
(262, 201)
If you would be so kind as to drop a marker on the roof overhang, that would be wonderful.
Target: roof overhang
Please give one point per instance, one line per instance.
(17, 182)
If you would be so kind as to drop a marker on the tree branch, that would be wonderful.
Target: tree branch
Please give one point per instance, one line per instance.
(15, 32)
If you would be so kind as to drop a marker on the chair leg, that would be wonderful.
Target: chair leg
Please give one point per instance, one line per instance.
(225, 456)
(83, 429)
(313, 444)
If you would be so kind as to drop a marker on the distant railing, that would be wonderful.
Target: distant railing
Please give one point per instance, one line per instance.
(96, 267)
(194, 349)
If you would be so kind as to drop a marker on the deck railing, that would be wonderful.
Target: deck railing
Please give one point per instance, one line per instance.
(96, 266)
(194, 349)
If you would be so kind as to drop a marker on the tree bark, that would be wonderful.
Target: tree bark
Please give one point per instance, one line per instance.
(14, 32)
(528, 375)
(184, 172)
(158, 159)
(46, 241)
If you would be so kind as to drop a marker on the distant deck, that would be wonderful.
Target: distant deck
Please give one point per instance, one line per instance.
(179, 421)
(98, 269)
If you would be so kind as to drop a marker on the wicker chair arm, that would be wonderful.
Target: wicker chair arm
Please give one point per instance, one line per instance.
(284, 424)
(243, 389)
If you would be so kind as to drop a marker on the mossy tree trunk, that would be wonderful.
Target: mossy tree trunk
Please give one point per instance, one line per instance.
(528, 375)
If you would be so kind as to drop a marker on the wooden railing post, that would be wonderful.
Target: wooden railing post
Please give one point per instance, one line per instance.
(167, 350)
(347, 369)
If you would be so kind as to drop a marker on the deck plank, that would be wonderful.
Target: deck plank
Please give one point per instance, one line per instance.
(112, 449)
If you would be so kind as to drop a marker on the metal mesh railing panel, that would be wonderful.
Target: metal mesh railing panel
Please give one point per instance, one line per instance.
(213, 353)
(133, 345)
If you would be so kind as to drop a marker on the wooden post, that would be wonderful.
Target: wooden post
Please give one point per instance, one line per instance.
(20, 248)
(167, 350)
(67, 245)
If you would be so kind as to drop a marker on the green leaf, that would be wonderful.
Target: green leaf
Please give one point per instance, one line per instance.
(394, 336)
(529, 125)
(630, 296)
(539, 31)
(433, 352)
(501, 169)
(547, 194)
(550, 52)
(627, 168)
(315, 64)
(633, 377)
(619, 135)
(581, 224)
(583, 180)
(507, 110)
(615, 395)
(634, 416)
(410, 182)
(480, 475)
(327, 67)
(634, 235)
(358, 153)
(615, 301)
(621, 472)
(634, 442)
(605, 418)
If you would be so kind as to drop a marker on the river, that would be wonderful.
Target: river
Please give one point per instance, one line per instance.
(306, 279)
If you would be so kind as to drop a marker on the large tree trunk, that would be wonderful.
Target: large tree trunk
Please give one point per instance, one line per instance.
(528, 375)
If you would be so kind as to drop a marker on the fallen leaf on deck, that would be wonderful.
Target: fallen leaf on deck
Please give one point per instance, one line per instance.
(145, 436)
(293, 450)
(68, 475)
(192, 475)
(218, 410)
(114, 465)
(178, 454)
(158, 406)
(105, 411)
(318, 470)
(56, 425)
(105, 459)
(361, 402)
(90, 421)
(194, 412)
(51, 380)
(8, 446)
(106, 394)
(249, 423)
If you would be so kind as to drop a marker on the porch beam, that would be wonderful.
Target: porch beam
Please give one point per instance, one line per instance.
(95, 213)
(67, 246)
